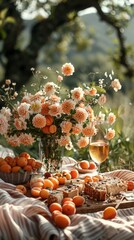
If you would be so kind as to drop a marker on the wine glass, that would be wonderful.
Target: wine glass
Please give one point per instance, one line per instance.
(98, 149)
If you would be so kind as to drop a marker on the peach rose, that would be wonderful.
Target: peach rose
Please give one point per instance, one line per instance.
(80, 115)
(111, 118)
(39, 121)
(77, 94)
(116, 85)
(67, 106)
(26, 139)
(110, 134)
(67, 69)
(83, 142)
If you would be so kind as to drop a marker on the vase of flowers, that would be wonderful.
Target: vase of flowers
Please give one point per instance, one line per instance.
(58, 118)
(50, 153)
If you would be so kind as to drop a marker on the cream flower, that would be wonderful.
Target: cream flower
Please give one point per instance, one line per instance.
(67, 69)
(20, 124)
(102, 99)
(55, 109)
(13, 141)
(66, 126)
(26, 139)
(77, 93)
(6, 112)
(64, 140)
(67, 106)
(35, 107)
(81, 115)
(50, 88)
(39, 121)
(92, 91)
(76, 129)
(83, 142)
(116, 85)
(23, 110)
(89, 131)
(111, 118)
(110, 134)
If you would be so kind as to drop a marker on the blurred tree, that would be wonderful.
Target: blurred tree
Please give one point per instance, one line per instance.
(49, 17)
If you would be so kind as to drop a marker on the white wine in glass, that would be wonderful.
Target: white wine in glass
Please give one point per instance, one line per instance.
(99, 150)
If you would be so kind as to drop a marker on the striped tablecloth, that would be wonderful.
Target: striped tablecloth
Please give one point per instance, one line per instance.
(23, 218)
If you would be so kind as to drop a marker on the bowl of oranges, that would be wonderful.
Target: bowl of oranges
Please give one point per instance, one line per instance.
(18, 169)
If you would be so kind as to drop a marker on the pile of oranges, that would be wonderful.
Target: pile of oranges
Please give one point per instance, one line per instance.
(21, 163)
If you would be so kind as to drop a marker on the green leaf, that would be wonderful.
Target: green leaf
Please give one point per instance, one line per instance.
(10, 20)
(3, 13)
(119, 125)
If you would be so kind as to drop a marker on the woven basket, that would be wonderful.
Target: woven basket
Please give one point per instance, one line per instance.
(15, 178)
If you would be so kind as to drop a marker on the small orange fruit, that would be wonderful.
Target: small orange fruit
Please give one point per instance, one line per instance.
(109, 213)
(55, 213)
(67, 199)
(84, 164)
(35, 191)
(55, 206)
(28, 168)
(130, 185)
(24, 154)
(5, 168)
(62, 180)
(49, 120)
(44, 193)
(52, 128)
(54, 181)
(21, 188)
(45, 129)
(74, 173)
(69, 208)
(78, 200)
(16, 169)
(22, 161)
(48, 184)
(92, 166)
(62, 221)
(32, 162)
(88, 179)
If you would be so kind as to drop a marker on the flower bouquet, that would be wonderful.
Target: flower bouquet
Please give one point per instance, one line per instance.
(57, 118)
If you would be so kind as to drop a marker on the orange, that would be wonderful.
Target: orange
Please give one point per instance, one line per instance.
(5, 168)
(55, 213)
(10, 161)
(54, 181)
(48, 184)
(68, 208)
(16, 169)
(38, 165)
(78, 200)
(21, 188)
(22, 161)
(130, 185)
(35, 191)
(24, 154)
(67, 199)
(109, 213)
(45, 129)
(88, 179)
(95, 178)
(84, 164)
(3, 162)
(74, 173)
(62, 180)
(62, 221)
(28, 168)
(49, 120)
(67, 175)
(31, 161)
(44, 193)
(92, 166)
(52, 128)
(36, 184)
(55, 206)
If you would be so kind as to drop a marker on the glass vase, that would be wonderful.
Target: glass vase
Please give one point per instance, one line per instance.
(50, 153)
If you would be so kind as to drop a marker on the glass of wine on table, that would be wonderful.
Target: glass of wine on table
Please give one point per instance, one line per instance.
(98, 149)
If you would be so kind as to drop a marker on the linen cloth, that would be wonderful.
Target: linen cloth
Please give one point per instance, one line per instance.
(23, 218)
